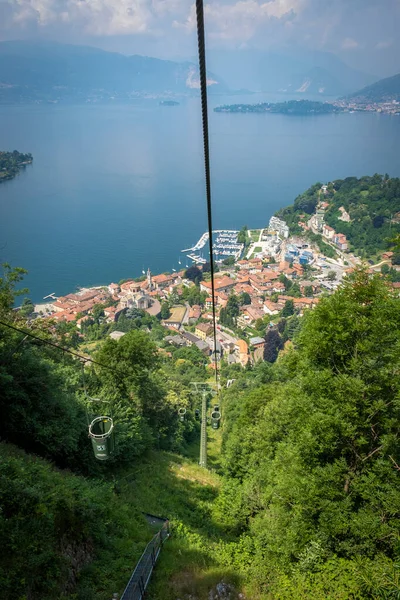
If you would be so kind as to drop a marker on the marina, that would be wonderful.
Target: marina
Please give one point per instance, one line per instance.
(225, 244)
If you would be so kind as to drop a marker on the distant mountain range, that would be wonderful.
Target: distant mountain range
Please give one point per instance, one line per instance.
(384, 90)
(296, 72)
(51, 72)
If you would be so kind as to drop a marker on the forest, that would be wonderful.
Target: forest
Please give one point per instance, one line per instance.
(302, 497)
(11, 163)
(372, 202)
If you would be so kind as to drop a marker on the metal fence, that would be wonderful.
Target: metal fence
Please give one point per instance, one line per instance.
(141, 575)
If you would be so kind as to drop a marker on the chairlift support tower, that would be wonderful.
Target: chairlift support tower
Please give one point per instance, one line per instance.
(204, 389)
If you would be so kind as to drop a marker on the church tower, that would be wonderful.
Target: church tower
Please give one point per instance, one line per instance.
(149, 280)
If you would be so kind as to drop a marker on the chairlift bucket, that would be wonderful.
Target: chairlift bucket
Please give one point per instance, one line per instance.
(101, 432)
(182, 413)
(215, 419)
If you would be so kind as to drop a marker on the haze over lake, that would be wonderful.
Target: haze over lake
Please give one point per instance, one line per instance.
(115, 189)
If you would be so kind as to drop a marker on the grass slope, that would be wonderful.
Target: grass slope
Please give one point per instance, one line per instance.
(176, 487)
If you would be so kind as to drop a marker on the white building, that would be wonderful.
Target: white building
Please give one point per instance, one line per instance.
(280, 226)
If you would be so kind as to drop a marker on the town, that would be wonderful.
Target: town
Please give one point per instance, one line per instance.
(267, 277)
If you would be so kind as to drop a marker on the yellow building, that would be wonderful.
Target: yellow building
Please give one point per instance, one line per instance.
(203, 330)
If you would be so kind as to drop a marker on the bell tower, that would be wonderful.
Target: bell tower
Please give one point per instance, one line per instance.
(149, 280)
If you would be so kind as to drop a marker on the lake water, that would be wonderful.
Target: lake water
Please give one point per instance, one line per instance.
(116, 189)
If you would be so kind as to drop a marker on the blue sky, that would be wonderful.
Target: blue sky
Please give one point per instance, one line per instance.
(362, 32)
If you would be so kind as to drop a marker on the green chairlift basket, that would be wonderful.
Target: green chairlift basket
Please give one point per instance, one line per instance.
(182, 413)
(101, 432)
(215, 419)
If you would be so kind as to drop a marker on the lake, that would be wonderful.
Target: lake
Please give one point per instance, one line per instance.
(116, 189)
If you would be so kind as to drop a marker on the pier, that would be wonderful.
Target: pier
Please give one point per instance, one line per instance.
(197, 259)
(200, 244)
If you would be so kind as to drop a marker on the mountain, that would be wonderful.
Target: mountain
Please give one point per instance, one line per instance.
(52, 72)
(295, 72)
(384, 90)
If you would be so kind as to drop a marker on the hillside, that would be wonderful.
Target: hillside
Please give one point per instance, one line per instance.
(373, 204)
(384, 90)
(279, 71)
(50, 72)
(301, 498)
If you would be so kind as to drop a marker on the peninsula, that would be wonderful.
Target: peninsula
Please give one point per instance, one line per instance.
(11, 163)
(291, 107)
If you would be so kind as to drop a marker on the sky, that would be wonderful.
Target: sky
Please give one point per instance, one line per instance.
(364, 33)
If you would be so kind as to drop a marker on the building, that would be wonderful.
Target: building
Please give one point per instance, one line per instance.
(271, 308)
(328, 232)
(344, 216)
(116, 335)
(220, 285)
(280, 226)
(292, 250)
(209, 302)
(341, 241)
(257, 342)
(313, 284)
(176, 318)
(113, 288)
(111, 313)
(243, 351)
(190, 338)
(203, 330)
(194, 313)
(249, 314)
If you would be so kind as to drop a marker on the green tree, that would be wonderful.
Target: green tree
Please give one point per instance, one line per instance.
(244, 298)
(288, 309)
(273, 343)
(193, 274)
(331, 275)
(308, 291)
(385, 269)
(27, 307)
(396, 258)
(317, 451)
(243, 237)
(8, 282)
(294, 291)
(98, 312)
(165, 312)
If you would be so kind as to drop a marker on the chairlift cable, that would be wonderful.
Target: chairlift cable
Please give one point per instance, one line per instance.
(54, 345)
(204, 115)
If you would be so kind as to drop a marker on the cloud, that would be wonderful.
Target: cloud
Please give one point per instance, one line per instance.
(240, 21)
(227, 20)
(349, 44)
(384, 44)
(93, 17)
